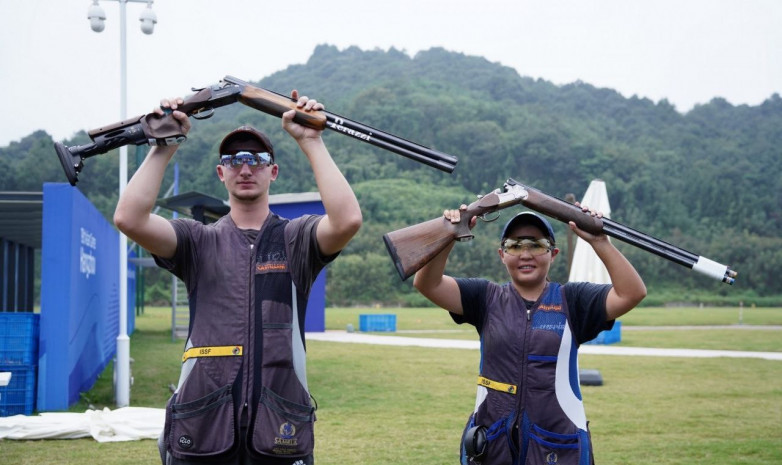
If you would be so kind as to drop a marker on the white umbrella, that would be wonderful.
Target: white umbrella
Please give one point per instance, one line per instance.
(586, 266)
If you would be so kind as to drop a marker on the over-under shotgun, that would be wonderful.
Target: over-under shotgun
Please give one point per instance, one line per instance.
(154, 129)
(414, 246)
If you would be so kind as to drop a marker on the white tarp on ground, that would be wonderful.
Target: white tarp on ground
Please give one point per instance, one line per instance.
(586, 267)
(122, 424)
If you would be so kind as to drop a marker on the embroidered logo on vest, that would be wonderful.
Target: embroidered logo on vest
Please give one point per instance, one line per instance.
(271, 267)
(185, 442)
(287, 431)
(549, 321)
(550, 307)
(271, 261)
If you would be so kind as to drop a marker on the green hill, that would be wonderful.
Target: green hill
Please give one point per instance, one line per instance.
(709, 181)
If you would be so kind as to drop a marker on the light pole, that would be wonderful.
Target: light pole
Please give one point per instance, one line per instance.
(148, 19)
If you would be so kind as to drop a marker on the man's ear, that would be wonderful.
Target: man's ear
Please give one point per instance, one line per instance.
(554, 252)
(220, 172)
(275, 171)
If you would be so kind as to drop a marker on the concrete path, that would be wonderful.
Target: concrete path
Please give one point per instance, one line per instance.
(704, 327)
(374, 338)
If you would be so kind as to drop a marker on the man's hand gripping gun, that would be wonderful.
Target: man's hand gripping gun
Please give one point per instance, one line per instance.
(153, 129)
(414, 246)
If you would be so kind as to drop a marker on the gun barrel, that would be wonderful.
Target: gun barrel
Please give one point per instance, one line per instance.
(668, 251)
(399, 145)
(391, 143)
(345, 126)
(565, 212)
(648, 243)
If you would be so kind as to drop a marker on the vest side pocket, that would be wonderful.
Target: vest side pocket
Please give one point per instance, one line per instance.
(489, 443)
(544, 447)
(283, 427)
(203, 427)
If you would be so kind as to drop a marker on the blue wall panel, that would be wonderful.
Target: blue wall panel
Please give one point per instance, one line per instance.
(79, 297)
(315, 320)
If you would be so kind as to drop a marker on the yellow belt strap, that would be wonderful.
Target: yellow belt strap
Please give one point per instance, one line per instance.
(216, 351)
(497, 386)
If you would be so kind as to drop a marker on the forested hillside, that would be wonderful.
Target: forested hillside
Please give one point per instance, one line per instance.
(709, 181)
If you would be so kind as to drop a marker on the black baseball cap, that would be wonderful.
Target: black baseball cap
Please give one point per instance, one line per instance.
(246, 138)
(530, 218)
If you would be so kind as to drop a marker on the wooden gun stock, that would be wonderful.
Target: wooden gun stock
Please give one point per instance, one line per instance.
(414, 246)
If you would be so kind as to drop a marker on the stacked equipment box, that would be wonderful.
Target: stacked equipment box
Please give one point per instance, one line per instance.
(19, 356)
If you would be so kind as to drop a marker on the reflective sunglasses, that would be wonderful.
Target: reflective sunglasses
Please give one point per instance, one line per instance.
(255, 160)
(535, 247)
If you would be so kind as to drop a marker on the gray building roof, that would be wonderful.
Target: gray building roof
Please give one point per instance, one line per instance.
(21, 217)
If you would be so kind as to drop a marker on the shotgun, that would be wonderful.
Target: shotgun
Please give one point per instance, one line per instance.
(153, 129)
(414, 246)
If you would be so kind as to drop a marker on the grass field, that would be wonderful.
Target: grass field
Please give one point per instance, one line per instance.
(404, 405)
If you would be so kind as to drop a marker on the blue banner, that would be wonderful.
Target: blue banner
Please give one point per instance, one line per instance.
(79, 297)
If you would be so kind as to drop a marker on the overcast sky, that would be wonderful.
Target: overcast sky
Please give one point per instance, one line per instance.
(58, 75)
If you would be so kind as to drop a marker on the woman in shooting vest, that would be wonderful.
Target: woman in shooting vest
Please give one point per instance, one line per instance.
(528, 408)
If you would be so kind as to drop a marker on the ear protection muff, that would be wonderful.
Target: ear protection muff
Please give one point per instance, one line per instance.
(475, 443)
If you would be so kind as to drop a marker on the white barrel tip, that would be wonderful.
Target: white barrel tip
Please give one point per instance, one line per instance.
(714, 269)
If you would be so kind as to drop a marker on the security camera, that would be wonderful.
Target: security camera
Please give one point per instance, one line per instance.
(97, 17)
(148, 19)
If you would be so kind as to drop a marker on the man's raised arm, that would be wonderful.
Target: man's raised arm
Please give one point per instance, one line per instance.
(343, 214)
(133, 215)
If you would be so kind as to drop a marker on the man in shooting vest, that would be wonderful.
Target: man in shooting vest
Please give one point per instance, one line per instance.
(528, 408)
(242, 397)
